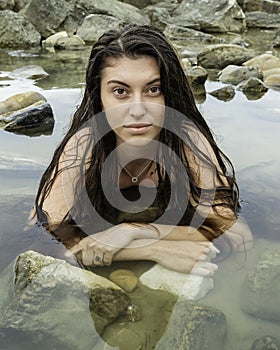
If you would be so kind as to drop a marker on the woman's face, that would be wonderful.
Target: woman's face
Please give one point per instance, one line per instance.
(132, 99)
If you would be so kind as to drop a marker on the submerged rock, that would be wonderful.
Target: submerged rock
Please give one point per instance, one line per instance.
(125, 339)
(199, 92)
(266, 343)
(194, 327)
(48, 301)
(260, 291)
(125, 279)
(180, 284)
(29, 72)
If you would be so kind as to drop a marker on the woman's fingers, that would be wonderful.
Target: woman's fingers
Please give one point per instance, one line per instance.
(87, 257)
(204, 268)
(98, 258)
(211, 251)
(91, 254)
(107, 259)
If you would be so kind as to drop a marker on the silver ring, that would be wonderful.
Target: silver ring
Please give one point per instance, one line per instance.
(98, 258)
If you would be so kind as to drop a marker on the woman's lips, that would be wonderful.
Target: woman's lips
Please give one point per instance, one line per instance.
(138, 129)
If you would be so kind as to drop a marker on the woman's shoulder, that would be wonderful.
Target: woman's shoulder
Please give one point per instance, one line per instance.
(78, 143)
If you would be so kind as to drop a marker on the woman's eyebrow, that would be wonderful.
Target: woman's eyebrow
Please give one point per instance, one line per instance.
(117, 82)
(156, 80)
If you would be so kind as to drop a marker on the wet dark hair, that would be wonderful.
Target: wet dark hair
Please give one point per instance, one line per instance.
(135, 41)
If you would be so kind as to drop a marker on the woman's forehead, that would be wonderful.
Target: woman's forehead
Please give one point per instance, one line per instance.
(123, 66)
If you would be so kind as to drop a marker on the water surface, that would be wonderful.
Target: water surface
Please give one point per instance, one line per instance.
(247, 130)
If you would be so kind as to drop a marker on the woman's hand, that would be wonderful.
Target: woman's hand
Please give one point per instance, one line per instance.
(186, 256)
(181, 256)
(98, 249)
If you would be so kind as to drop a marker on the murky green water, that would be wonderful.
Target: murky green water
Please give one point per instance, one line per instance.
(247, 130)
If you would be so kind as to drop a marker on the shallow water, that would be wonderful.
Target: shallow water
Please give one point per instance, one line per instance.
(248, 132)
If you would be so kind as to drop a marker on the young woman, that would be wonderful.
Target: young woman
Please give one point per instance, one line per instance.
(139, 175)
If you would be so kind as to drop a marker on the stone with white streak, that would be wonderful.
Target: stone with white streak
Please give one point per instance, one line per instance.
(188, 286)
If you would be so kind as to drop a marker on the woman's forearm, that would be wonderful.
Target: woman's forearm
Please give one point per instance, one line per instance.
(140, 249)
(238, 232)
(166, 232)
(180, 256)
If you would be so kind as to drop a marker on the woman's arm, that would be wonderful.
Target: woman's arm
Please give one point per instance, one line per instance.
(61, 197)
(180, 256)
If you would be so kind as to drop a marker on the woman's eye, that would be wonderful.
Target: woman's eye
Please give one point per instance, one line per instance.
(154, 90)
(120, 92)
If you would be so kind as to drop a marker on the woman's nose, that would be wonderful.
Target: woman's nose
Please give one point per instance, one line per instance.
(137, 109)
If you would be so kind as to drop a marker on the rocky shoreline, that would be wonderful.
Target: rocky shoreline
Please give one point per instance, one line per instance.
(29, 22)
(210, 38)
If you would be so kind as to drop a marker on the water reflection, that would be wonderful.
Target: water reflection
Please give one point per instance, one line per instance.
(34, 131)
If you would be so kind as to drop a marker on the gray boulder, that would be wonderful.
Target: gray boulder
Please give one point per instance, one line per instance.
(266, 342)
(140, 3)
(70, 42)
(53, 305)
(252, 88)
(160, 14)
(196, 74)
(221, 55)
(27, 111)
(211, 16)
(260, 291)
(69, 15)
(269, 6)
(252, 85)
(258, 19)
(20, 4)
(276, 39)
(19, 101)
(226, 93)
(194, 327)
(235, 74)
(273, 80)
(7, 5)
(29, 72)
(263, 62)
(181, 35)
(35, 115)
(17, 31)
(95, 25)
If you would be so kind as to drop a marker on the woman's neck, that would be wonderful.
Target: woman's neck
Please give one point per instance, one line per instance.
(134, 158)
